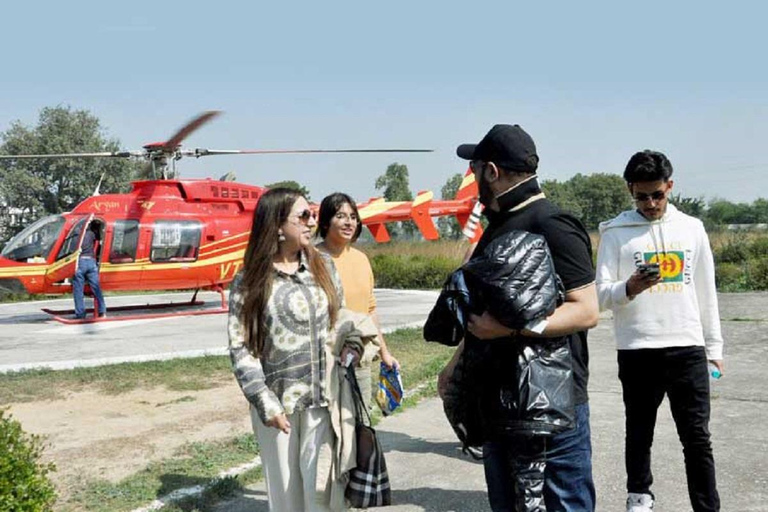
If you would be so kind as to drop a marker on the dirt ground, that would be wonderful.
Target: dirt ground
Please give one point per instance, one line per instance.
(91, 435)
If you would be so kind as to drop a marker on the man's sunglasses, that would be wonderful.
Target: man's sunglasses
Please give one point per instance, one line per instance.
(476, 165)
(656, 196)
(306, 215)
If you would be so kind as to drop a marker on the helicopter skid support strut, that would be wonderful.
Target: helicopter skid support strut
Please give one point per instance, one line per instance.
(65, 316)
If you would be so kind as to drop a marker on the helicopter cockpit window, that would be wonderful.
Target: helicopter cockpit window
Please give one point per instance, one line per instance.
(175, 241)
(73, 238)
(125, 238)
(34, 243)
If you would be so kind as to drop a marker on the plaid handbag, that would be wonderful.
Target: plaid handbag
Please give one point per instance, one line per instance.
(369, 482)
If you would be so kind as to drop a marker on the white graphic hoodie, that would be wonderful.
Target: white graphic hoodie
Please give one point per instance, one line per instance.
(679, 311)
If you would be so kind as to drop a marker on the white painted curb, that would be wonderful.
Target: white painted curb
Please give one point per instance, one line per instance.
(198, 489)
(86, 363)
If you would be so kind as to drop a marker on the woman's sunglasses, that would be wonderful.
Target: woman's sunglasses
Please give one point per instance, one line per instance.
(306, 215)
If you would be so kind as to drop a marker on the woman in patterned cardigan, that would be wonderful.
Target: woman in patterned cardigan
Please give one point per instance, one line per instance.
(282, 306)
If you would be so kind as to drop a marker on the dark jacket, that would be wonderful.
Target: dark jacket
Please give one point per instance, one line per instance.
(525, 385)
(447, 322)
(514, 279)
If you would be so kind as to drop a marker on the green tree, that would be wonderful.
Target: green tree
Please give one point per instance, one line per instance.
(16, 201)
(602, 197)
(395, 183)
(694, 206)
(563, 196)
(396, 187)
(449, 226)
(760, 206)
(592, 198)
(40, 187)
(722, 212)
(293, 185)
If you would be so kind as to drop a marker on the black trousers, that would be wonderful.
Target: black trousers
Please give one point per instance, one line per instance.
(681, 373)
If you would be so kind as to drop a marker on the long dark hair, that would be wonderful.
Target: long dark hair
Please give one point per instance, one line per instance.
(328, 208)
(271, 212)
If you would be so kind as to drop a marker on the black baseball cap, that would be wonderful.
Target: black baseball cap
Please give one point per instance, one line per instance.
(506, 145)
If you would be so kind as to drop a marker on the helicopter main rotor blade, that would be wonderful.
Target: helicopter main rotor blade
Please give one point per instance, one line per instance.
(173, 143)
(111, 154)
(210, 152)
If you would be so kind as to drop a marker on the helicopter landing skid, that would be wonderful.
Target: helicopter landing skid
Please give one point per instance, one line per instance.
(64, 316)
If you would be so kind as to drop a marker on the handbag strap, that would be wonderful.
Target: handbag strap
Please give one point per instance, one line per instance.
(361, 411)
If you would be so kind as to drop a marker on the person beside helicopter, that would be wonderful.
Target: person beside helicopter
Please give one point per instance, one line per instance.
(88, 272)
(339, 226)
(282, 307)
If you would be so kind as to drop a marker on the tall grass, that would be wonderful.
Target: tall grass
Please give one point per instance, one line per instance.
(741, 260)
(447, 249)
(415, 265)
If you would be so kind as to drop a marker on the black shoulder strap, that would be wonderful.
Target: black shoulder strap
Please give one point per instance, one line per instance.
(361, 411)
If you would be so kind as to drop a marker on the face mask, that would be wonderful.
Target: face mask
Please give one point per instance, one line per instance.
(484, 189)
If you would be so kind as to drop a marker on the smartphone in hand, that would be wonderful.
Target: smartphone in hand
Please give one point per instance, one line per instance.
(649, 269)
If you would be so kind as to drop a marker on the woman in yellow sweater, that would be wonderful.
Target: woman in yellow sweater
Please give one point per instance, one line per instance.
(339, 226)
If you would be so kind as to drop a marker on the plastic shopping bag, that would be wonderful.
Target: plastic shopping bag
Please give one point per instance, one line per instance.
(390, 391)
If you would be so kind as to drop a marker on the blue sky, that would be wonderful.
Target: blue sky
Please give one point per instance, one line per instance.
(592, 82)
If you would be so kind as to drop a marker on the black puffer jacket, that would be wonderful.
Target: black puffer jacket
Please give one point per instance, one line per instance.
(447, 322)
(520, 386)
(514, 278)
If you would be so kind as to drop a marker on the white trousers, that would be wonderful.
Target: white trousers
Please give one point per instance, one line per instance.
(290, 460)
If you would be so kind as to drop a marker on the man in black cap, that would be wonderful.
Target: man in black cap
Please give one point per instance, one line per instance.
(504, 164)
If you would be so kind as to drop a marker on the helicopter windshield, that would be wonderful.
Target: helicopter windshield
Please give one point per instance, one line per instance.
(35, 242)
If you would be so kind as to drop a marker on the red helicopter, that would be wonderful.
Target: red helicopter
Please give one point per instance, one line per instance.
(173, 234)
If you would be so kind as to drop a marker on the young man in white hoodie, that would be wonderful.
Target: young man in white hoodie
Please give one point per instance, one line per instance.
(655, 271)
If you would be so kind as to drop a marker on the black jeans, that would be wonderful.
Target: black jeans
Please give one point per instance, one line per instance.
(681, 373)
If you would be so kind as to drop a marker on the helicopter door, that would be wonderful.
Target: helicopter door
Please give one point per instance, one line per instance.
(66, 260)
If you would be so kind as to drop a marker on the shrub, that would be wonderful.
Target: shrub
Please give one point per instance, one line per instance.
(730, 277)
(759, 248)
(24, 483)
(758, 275)
(411, 271)
(733, 251)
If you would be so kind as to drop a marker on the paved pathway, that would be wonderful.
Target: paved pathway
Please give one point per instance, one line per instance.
(429, 473)
(427, 470)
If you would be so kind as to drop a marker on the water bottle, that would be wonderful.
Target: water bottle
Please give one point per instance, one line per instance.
(714, 373)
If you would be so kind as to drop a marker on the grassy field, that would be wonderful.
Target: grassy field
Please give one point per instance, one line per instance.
(449, 249)
(177, 374)
(194, 464)
(741, 260)
(455, 249)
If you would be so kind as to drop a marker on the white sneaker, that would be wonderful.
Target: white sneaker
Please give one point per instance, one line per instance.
(639, 502)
